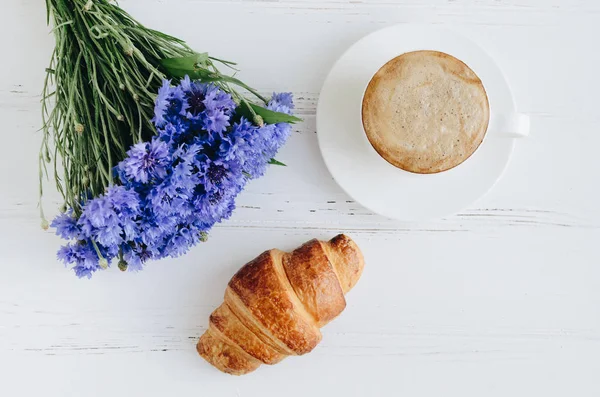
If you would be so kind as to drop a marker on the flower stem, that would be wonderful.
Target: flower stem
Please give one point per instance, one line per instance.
(98, 93)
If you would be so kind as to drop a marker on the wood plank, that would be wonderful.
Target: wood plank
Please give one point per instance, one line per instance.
(501, 299)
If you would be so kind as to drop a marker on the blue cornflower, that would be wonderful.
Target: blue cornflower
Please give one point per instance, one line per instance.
(178, 105)
(175, 133)
(169, 199)
(105, 217)
(189, 154)
(255, 166)
(125, 201)
(218, 108)
(279, 134)
(170, 103)
(178, 185)
(154, 228)
(133, 257)
(111, 235)
(208, 104)
(183, 178)
(82, 255)
(240, 142)
(195, 94)
(221, 175)
(180, 242)
(273, 137)
(212, 207)
(215, 121)
(162, 103)
(95, 214)
(282, 102)
(215, 98)
(66, 226)
(160, 198)
(146, 161)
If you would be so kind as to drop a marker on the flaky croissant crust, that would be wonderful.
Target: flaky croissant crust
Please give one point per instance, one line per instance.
(275, 305)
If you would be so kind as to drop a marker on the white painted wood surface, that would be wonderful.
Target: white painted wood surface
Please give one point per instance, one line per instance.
(502, 299)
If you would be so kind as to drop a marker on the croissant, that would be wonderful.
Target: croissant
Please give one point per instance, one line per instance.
(275, 305)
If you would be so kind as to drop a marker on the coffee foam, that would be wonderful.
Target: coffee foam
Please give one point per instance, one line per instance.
(425, 112)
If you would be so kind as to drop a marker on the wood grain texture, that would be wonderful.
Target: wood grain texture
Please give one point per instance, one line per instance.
(501, 299)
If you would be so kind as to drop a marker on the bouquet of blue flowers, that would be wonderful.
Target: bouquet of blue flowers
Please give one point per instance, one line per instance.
(146, 174)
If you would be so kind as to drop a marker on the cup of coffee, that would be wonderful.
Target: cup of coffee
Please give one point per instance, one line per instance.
(427, 112)
(417, 122)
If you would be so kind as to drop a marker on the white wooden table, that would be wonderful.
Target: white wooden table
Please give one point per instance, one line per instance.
(500, 300)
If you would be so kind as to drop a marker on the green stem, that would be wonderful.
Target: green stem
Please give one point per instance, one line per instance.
(99, 92)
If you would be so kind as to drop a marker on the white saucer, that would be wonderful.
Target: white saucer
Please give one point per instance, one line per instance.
(372, 181)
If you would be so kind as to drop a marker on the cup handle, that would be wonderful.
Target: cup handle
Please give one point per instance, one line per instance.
(516, 125)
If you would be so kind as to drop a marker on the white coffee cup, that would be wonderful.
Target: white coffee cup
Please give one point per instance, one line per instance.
(370, 179)
(501, 123)
(513, 125)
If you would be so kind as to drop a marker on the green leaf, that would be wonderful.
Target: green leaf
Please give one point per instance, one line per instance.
(179, 67)
(224, 62)
(272, 117)
(275, 162)
(269, 116)
(203, 58)
(192, 66)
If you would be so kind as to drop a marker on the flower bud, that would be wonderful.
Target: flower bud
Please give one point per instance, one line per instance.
(122, 87)
(121, 117)
(79, 128)
(88, 6)
(63, 208)
(103, 263)
(85, 180)
(136, 97)
(203, 237)
(122, 265)
(258, 120)
(45, 225)
(128, 51)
